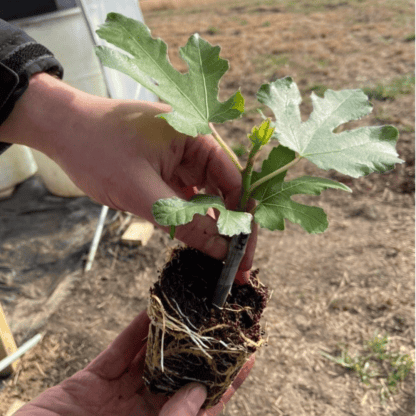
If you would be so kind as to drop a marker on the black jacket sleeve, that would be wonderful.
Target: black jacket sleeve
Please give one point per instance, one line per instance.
(20, 58)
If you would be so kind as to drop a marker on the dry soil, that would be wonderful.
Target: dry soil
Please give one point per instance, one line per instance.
(332, 291)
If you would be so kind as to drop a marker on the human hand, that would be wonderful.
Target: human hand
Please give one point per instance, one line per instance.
(122, 156)
(112, 384)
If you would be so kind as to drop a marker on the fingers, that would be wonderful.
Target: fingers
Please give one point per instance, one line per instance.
(202, 233)
(186, 402)
(222, 174)
(189, 192)
(113, 361)
(242, 276)
(131, 381)
(242, 375)
(204, 164)
(246, 264)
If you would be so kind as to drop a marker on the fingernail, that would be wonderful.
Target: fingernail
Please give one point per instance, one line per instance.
(197, 394)
(242, 278)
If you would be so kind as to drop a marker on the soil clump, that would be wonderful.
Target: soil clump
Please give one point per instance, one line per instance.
(189, 340)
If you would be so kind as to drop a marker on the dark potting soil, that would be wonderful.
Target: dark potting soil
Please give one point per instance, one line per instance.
(185, 287)
(189, 281)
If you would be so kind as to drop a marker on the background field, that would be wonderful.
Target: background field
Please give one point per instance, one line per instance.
(332, 292)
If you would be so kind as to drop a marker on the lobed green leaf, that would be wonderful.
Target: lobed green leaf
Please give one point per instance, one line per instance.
(274, 197)
(353, 152)
(193, 96)
(175, 211)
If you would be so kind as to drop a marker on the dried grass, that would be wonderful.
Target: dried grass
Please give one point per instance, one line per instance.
(331, 289)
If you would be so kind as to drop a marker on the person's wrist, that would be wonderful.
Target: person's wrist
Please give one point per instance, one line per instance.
(44, 115)
(28, 115)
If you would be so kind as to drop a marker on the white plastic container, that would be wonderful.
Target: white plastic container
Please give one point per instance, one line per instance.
(16, 165)
(55, 179)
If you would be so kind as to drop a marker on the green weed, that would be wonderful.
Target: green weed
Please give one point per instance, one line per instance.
(318, 89)
(268, 63)
(377, 367)
(212, 30)
(389, 91)
(323, 63)
(410, 38)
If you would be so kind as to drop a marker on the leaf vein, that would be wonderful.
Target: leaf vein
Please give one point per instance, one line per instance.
(164, 72)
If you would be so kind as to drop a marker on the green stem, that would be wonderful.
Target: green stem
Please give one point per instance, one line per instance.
(226, 148)
(247, 178)
(273, 174)
(238, 242)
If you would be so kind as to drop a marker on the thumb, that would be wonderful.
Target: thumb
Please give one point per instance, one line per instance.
(186, 402)
(243, 274)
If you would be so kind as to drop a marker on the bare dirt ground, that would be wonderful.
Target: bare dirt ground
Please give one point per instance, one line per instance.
(332, 291)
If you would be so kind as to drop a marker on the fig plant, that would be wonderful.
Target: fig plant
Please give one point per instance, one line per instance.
(193, 97)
